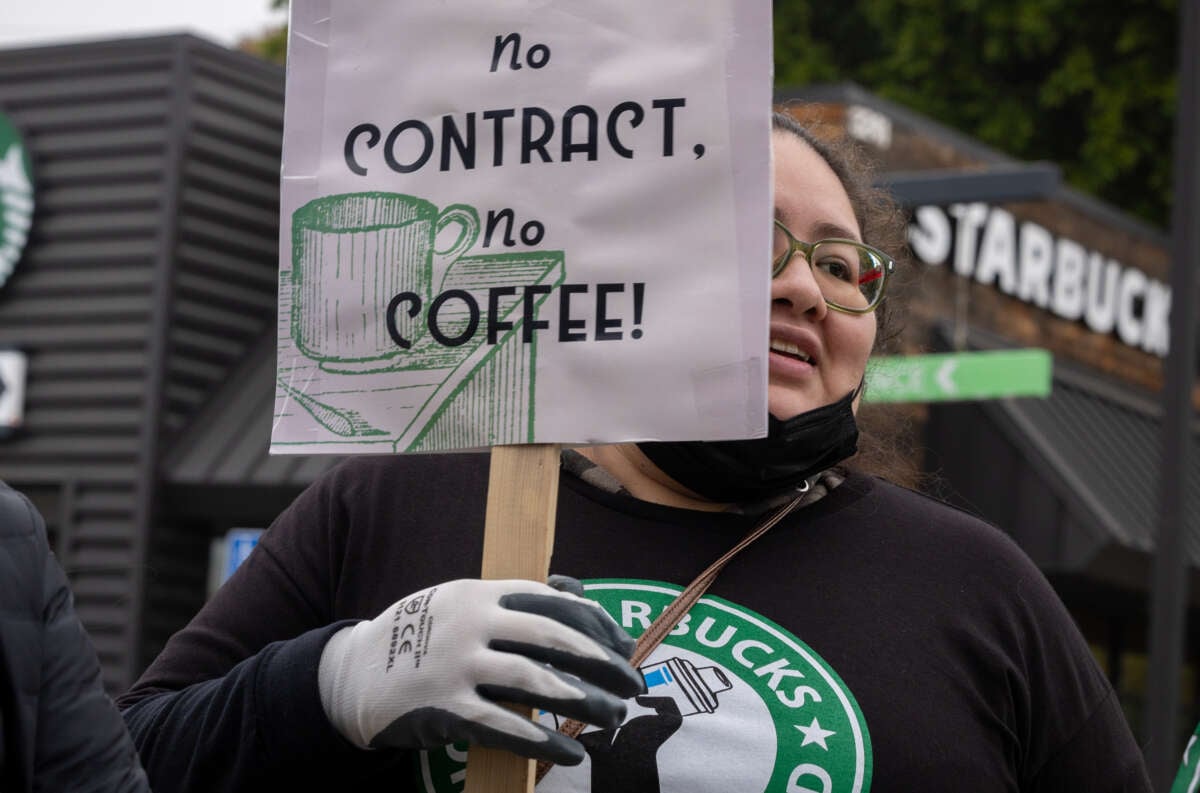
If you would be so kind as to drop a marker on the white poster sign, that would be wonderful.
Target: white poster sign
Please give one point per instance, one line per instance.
(509, 221)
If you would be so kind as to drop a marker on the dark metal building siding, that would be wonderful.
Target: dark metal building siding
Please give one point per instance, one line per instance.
(227, 237)
(79, 304)
(150, 271)
(222, 294)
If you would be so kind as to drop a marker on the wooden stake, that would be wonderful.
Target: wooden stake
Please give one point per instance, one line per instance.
(518, 538)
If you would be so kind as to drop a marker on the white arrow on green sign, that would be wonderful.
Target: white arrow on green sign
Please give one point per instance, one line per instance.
(991, 374)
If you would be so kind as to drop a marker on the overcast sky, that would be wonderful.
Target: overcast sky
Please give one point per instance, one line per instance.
(56, 21)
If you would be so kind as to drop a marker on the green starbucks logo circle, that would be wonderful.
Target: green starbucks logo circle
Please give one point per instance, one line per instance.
(733, 702)
(16, 197)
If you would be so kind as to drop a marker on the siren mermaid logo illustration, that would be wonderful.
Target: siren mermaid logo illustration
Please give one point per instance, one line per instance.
(16, 198)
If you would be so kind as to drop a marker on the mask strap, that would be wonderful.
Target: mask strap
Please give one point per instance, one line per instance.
(676, 609)
(858, 389)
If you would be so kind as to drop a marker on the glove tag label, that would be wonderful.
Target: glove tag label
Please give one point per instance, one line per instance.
(411, 629)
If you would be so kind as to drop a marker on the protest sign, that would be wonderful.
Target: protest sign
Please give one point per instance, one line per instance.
(510, 222)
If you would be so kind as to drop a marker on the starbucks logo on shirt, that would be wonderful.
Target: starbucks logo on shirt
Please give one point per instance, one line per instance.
(733, 702)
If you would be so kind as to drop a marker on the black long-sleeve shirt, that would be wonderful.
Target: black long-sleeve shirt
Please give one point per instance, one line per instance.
(875, 640)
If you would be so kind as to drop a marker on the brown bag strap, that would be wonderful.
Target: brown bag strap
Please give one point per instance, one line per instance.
(680, 606)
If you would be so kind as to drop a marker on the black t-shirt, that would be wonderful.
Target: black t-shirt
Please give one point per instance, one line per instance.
(875, 640)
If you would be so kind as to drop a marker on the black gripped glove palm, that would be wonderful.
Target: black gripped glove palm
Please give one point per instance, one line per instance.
(432, 668)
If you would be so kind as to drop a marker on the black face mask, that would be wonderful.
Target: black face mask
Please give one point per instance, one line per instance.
(741, 471)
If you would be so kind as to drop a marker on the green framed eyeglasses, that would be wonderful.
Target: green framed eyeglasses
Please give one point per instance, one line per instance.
(850, 275)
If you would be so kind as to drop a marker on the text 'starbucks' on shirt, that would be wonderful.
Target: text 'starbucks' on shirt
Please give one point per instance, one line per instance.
(875, 640)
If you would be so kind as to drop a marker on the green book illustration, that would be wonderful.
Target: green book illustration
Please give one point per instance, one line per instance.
(388, 340)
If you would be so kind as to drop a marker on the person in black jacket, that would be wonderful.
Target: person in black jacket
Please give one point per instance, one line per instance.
(59, 731)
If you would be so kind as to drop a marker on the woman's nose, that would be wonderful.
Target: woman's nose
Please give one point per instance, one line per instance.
(796, 289)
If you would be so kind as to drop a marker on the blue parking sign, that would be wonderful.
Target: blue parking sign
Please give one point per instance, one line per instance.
(239, 543)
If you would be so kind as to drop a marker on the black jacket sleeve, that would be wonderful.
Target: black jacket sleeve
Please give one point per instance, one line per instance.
(232, 702)
(61, 731)
(260, 726)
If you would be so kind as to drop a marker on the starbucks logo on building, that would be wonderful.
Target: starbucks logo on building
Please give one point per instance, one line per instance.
(16, 197)
(733, 702)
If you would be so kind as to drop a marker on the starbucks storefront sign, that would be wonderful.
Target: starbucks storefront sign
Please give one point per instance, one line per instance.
(16, 197)
(1055, 273)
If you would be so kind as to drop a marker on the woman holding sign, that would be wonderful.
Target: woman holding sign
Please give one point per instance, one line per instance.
(873, 639)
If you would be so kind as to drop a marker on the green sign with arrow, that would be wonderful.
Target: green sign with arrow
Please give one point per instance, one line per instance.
(990, 374)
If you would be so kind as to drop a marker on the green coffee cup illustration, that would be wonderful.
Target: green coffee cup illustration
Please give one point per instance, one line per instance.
(350, 254)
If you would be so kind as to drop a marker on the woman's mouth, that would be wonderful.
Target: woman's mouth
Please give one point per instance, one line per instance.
(790, 350)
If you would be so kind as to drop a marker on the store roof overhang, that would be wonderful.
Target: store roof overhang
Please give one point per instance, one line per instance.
(1073, 477)
(221, 460)
(993, 184)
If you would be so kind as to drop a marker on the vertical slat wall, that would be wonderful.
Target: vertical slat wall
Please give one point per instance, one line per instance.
(95, 118)
(149, 272)
(228, 233)
(223, 290)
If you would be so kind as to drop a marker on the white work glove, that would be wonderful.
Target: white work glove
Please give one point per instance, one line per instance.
(430, 670)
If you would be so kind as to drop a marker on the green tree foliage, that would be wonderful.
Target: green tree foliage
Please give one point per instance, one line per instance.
(1088, 84)
(271, 45)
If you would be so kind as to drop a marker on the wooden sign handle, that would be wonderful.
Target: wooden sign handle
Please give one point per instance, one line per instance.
(518, 537)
